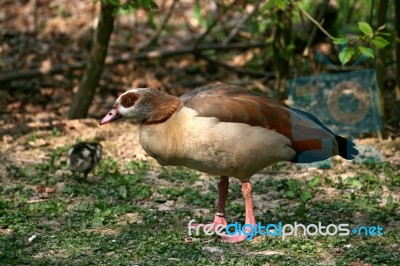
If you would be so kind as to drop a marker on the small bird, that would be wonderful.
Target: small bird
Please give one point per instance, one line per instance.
(227, 131)
(84, 156)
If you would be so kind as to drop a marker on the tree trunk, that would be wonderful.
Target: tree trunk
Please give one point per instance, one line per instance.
(280, 45)
(380, 66)
(90, 80)
(397, 44)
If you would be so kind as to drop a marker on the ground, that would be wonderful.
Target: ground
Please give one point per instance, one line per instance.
(131, 211)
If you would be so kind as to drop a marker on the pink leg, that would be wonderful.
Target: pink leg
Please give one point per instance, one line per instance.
(250, 219)
(223, 186)
(219, 217)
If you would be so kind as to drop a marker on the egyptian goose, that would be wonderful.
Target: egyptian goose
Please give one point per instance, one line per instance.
(225, 130)
(83, 157)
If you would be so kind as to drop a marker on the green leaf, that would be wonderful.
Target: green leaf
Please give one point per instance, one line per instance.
(301, 210)
(153, 5)
(122, 192)
(106, 213)
(97, 221)
(114, 2)
(289, 194)
(305, 195)
(379, 42)
(293, 185)
(145, 3)
(141, 192)
(354, 183)
(197, 12)
(148, 4)
(365, 28)
(345, 55)
(150, 20)
(340, 41)
(367, 52)
(389, 207)
(314, 182)
(281, 4)
(267, 6)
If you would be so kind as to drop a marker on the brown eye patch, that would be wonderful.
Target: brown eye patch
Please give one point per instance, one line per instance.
(129, 99)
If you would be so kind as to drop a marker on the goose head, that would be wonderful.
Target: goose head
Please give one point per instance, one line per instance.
(142, 105)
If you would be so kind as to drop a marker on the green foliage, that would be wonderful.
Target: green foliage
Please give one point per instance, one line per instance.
(390, 206)
(137, 166)
(362, 252)
(85, 223)
(178, 174)
(365, 28)
(197, 13)
(55, 132)
(99, 216)
(314, 182)
(133, 4)
(379, 42)
(280, 4)
(108, 166)
(365, 51)
(346, 54)
(203, 20)
(147, 4)
(360, 45)
(293, 189)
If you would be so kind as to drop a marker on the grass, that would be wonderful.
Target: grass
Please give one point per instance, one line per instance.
(51, 217)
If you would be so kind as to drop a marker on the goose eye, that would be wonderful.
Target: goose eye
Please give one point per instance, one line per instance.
(129, 99)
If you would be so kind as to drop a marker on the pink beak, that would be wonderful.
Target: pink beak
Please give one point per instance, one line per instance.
(111, 116)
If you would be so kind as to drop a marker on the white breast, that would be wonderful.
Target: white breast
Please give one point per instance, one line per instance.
(214, 147)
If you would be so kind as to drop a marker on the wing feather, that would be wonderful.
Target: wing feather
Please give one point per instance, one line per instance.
(234, 104)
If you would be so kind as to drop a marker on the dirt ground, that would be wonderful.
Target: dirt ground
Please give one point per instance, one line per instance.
(34, 143)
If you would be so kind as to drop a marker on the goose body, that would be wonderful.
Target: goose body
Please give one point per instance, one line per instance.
(218, 148)
(225, 130)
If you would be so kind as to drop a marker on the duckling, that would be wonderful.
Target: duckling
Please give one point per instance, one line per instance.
(84, 156)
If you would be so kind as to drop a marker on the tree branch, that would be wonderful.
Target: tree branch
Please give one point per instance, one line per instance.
(397, 45)
(213, 24)
(313, 20)
(314, 29)
(380, 64)
(156, 54)
(239, 70)
(236, 29)
(161, 26)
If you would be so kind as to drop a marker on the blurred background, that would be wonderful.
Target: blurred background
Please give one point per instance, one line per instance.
(175, 46)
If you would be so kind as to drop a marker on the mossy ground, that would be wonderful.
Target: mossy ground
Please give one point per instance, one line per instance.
(137, 214)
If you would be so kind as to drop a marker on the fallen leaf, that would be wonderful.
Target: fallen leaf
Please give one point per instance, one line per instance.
(44, 189)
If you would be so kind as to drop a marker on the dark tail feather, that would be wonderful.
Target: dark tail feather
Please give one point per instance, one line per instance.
(347, 148)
